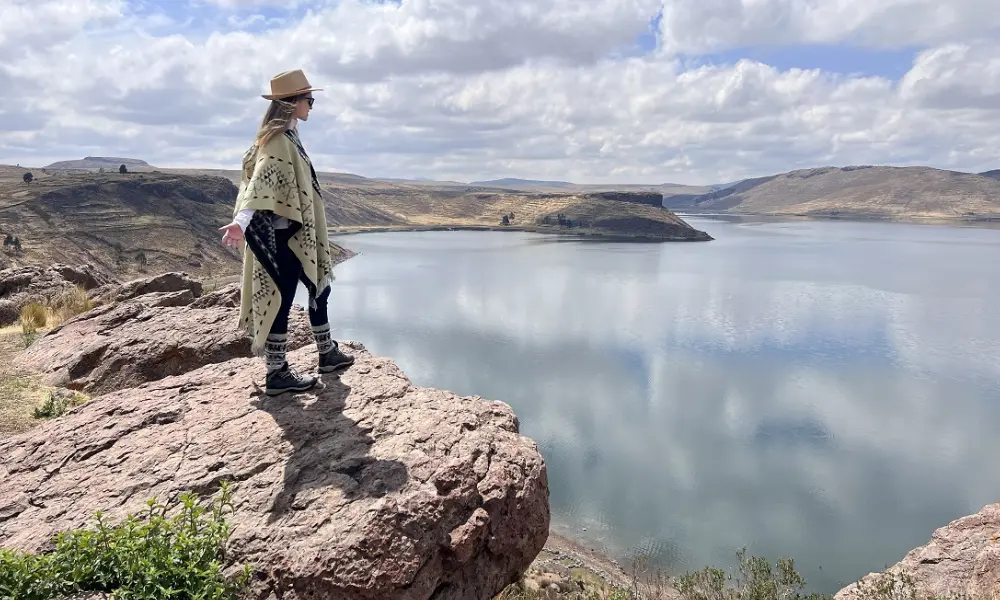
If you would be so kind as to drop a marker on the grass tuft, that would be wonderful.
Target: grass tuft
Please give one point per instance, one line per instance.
(70, 303)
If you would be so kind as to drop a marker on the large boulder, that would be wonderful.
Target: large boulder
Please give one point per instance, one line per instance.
(146, 338)
(44, 280)
(962, 559)
(165, 283)
(367, 488)
(23, 285)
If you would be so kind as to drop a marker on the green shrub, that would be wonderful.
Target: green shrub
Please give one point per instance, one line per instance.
(149, 556)
(757, 580)
(56, 405)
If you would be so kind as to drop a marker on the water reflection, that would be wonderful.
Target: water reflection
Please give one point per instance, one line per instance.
(826, 391)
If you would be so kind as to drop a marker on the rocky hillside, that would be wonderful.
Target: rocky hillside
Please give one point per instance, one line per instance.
(857, 192)
(357, 203)
(114, 221)
(612, 214)
(366, 488)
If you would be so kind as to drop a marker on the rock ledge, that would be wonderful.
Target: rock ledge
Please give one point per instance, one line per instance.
(365, 488)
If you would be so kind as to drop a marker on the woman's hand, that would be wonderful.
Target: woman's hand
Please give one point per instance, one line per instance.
(232, 236)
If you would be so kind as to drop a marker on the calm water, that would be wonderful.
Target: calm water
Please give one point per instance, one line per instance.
(821, 390)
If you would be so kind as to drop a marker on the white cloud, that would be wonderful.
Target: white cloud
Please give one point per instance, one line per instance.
(476, 89)
(27, 25)
(705, 25)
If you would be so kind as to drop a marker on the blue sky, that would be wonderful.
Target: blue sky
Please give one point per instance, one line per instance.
(842, 59)
(627, 91)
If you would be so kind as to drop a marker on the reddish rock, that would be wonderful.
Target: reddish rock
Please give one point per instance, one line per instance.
(369, 488)
(961, 560)
(144, 339)
(165, 283)
(23, 285)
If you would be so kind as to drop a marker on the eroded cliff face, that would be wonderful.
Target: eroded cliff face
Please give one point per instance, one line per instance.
(962, 559)
(367, 487)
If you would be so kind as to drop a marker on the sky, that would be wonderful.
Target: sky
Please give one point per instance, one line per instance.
(590, 91)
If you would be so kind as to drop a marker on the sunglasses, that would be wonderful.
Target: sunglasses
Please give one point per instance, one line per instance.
(310, 100)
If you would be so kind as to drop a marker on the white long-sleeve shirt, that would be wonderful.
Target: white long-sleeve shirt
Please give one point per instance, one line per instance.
(243, 219)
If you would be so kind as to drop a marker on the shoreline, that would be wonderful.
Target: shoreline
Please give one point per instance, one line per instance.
(588, 235)
(855, 217)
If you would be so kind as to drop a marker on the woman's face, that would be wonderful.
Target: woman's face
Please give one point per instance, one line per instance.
(302, 108)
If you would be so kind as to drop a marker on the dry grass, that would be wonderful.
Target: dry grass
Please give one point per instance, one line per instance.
(34, 315)
(69, 304)
(20, 393)
(24, 399)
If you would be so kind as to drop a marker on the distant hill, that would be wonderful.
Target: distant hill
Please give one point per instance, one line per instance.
(856, 192)
(106, 219)
(172, 218)
(515, 182)
(373, 207)
(995, 174)
(101, 162)
(356, 203)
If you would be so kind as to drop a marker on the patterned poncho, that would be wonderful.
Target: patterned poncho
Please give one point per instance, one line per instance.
(283, 182)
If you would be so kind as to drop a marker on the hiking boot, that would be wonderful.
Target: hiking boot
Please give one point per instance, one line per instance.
(334, 360)
(287, 380)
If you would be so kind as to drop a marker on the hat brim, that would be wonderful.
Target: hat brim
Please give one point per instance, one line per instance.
(291, 95)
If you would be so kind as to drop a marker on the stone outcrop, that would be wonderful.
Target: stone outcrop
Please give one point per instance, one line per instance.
(22, 285)
(147, 337)
(367, 487)
(962, 559)
(167, 282)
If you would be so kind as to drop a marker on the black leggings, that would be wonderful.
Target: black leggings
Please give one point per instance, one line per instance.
(289, 273)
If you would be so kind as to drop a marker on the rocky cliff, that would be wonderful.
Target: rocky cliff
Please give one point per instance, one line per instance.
(368, 487)
(962, 560)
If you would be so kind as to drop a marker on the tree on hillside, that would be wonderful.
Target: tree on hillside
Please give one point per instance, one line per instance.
(505, 220)
(122, 169)
(8, 241)
(140, 258)
(28, 177)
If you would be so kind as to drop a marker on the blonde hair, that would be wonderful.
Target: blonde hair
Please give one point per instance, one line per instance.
(277, 120)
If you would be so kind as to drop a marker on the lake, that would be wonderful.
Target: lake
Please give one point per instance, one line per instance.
(827, 391)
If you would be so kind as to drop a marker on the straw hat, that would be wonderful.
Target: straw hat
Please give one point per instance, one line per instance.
(288, 84)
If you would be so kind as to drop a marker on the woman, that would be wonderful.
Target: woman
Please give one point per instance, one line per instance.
(280, 215)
